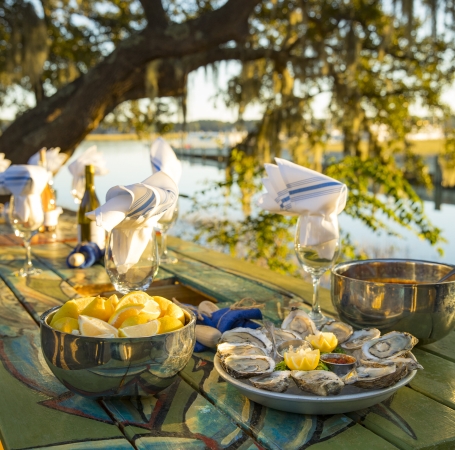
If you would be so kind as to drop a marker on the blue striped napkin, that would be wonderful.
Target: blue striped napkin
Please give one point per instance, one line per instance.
(298, 191)
(131, 212)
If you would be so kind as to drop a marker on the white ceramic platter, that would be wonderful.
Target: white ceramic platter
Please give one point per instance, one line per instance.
(295, 400)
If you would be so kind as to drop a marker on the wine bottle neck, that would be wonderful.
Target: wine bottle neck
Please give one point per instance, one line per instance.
(89, 178)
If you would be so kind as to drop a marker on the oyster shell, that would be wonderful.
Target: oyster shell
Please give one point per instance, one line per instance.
(300, 322)
(358, 338)
(226, 349)
(409, 360)
(319, 382)
(389, 346)
(247, 366)
(275, 381)
(341, 330)
(373, 375)
(285, 335)
(247, 336)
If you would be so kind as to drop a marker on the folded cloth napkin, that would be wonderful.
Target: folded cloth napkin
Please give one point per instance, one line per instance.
(299, 191)
(54, 159)
(163, 158)
(77, 168)
(4, 163)
(26, 183)
(131, 212)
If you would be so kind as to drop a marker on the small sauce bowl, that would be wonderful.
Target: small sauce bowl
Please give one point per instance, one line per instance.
(339, 363)
(295, 343)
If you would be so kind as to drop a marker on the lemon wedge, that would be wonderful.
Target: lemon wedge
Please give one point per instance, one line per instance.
(72, 308)
(91, 326)
(140, 319)
(120, 315)
(177, 312)
(324, 341)
(302, 359)
(134, 298)
(101, 308)
(66, 324)
(168, 324)
(163, 303)
(143, 330)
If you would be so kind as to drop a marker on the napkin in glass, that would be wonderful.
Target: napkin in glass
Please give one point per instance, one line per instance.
(298, 191)
(163, 158)
(26, 183)
(131, 212)
(77, 168)
(54, 159)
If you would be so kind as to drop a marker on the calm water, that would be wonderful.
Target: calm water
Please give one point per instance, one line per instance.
(128, 162)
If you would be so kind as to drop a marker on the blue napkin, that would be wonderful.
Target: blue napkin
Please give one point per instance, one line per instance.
(226, 319)
(92, 254)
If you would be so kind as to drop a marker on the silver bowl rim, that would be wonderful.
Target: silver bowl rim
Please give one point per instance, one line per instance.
(47, 313)
(345, 265)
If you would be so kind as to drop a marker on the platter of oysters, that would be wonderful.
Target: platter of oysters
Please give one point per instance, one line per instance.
(298, 368)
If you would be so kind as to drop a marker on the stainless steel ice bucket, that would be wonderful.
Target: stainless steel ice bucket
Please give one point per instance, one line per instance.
(395, 294)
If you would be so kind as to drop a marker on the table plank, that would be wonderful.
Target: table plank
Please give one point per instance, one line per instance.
(437, 380)
(53, 415)
(177, 417)
(411, 421)
(443, 348)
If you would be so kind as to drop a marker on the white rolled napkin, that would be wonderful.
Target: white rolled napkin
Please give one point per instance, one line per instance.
(4, 163)
(26, 183)
(54, 159)
(131, 212)
(163, 158)
(77, 168)
(298, 191)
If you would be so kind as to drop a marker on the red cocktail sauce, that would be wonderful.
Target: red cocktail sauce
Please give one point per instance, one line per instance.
(342, 359)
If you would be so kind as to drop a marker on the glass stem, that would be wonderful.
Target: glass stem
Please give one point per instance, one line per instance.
(28, 254)
(163, 244)
(316, 309)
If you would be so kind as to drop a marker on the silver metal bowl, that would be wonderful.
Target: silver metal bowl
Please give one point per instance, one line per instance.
(102, 367)
(395, 294)
(339, 368)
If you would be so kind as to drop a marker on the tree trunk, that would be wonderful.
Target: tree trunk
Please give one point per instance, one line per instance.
(64, 119)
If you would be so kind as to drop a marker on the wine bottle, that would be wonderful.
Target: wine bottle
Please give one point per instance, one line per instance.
(48, 199)
(87, 230)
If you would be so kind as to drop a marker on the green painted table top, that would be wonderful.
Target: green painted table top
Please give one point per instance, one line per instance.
(199, 411)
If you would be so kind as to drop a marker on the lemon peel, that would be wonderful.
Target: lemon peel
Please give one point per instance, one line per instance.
(66, 324)
(142, 330)
(168, 324)
(91, 326)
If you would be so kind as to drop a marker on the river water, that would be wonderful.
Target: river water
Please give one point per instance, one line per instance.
(128, 162)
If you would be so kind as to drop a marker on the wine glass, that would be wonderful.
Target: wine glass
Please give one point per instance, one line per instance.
(164, 225)
(315, 260)
(131, 258)
(26, 229)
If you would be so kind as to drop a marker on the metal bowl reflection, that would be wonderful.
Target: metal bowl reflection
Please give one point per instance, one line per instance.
(102, 367)
(395, 294)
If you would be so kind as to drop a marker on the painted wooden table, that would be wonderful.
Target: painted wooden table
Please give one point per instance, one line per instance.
(200, 410)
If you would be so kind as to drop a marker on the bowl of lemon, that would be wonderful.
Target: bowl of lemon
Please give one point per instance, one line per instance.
(110, 347)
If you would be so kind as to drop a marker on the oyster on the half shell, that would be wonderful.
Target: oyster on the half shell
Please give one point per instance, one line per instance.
(341, 330)
(240, 366)
(227, 348)
(285, 335)
(299, 321)
(247, 336)
(353, 346)
(319, 382)
(373, 375)
(389, 346)
(275, 381)
(409, 360)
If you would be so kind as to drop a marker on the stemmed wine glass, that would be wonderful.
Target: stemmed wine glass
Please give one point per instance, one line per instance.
(164, 225)
(26, 229)
(137, 273)
(315, 260)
